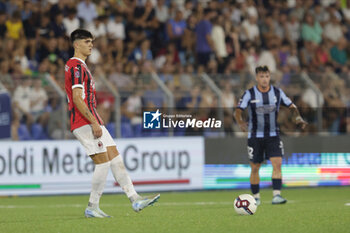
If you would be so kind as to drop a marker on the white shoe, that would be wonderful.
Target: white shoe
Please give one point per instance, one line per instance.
(258, 202)
(143, 202)
(278, 199)
(95, 213)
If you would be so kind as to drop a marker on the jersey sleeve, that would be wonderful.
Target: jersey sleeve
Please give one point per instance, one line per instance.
(76, 75)
(244, 100)
(285, 101)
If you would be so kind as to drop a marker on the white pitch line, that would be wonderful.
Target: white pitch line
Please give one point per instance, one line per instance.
(347, 204)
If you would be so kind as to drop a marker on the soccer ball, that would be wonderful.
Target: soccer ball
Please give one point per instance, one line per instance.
(245, 204)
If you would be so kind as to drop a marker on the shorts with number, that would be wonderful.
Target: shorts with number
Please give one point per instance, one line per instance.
(91, 144)
(260, 149)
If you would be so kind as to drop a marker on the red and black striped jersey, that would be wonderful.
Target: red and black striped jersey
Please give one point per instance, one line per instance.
(77, 75)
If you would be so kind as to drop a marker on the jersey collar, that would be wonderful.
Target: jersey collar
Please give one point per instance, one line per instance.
(256, 87)
(77, 58)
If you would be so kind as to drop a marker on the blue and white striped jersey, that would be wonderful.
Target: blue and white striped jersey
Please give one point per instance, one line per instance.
(263, 110)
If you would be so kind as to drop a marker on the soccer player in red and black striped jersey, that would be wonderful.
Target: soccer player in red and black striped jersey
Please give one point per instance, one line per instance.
(89, 129)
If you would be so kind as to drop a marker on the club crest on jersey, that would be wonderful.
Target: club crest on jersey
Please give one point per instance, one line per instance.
(77, 74)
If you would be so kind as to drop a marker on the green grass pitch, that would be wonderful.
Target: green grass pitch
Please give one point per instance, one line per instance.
(308, 210)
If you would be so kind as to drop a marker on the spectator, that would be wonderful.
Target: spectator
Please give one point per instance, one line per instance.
(311, 30)
(115, 28)
(142, 53)
(87, 11)
(204, 42)
(122, 81)
(38, 103)
(293, 29)
(145, 17)
(20, 57)
(3, 27)
(187, 9)
(71, 22)
(320, 14)
(132, 108)
(189, 37)
(6, 78)
(97, 27)
(26, 12)
(21, 101)
(14, 26)
(268, 58)
(293, 60)
(57, 26)
(45, 31)
(60, 7)
(176, 28)
(250, 29)
(338, 53)
(54, 124)
(218, 37)
(162, 11)
(333, 30)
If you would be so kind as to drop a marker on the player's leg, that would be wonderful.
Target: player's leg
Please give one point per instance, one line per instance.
(255, 153)
(98, 153)
(122, 177)
(275, 152)
(120, 173)
(255, 181)
(98, 182)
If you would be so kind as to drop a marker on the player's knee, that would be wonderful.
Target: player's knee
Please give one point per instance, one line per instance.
(255, 169)
(100, 158)
(277, 166)
(112, 152)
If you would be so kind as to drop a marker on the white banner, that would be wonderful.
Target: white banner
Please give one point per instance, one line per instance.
(62, 167)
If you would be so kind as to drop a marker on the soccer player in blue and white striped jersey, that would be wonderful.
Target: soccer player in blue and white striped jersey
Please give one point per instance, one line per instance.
(263, 102)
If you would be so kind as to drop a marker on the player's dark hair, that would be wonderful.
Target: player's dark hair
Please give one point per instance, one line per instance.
(261, 69)
(79, 34)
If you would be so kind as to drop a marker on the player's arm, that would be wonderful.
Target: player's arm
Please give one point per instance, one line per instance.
(238, 116)
(243, 103)
(285, 101)
(84, 110)
(296, 115)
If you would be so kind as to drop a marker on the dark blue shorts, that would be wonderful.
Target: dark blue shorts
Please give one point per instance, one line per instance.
(260, 149)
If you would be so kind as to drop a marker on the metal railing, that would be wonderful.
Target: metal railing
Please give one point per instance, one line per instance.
(166, 92)
(117, 105)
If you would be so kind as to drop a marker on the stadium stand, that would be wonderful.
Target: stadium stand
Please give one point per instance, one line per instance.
(300, 41)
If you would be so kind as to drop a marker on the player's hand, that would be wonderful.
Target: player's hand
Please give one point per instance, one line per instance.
(300, 121)
(243, 126)
(96, 130)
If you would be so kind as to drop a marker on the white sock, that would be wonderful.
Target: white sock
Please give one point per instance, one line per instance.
(122, 177)
(98, 183)
(257, 195)
(276, 192)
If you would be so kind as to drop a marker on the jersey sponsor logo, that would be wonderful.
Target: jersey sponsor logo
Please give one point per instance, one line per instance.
(255, 101)
(100, 144)
(265, 109)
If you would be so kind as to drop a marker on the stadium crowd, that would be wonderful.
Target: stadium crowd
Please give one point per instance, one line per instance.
(178, 40)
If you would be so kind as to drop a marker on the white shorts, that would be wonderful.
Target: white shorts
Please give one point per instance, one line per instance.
(91, 144)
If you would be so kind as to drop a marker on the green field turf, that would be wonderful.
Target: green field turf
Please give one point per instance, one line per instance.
(309, 210)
